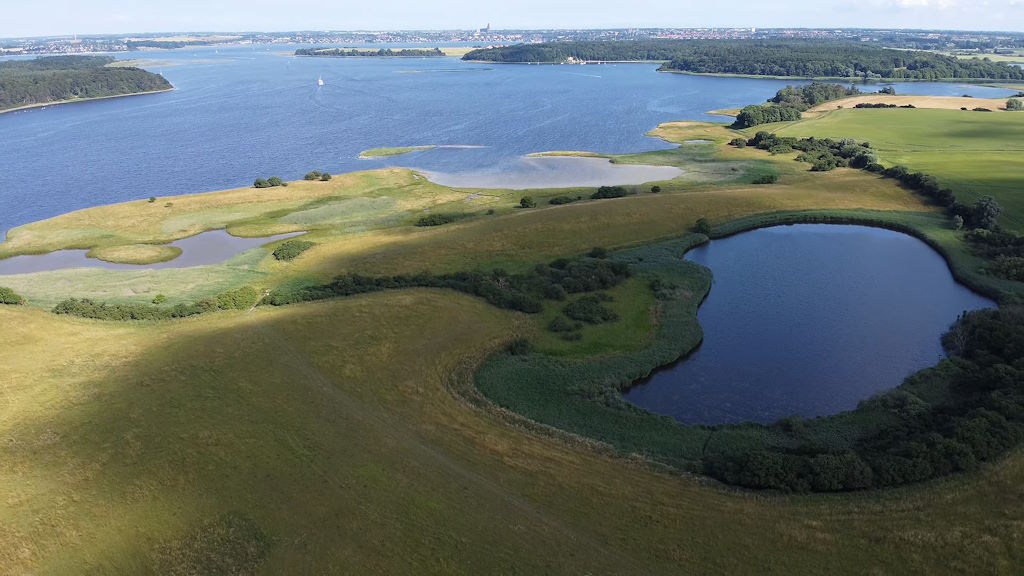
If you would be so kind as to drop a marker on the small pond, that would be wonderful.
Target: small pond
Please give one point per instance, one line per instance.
(808, 320)
(212, 247)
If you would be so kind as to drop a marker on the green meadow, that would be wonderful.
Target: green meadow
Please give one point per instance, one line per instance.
(974, 153)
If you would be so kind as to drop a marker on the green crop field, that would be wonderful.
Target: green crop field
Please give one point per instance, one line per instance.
(358, 434)
(974, 153)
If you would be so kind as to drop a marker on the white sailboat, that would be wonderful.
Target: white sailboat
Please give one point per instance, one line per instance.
(320, 81)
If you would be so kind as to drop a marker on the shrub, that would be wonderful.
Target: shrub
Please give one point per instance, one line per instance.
(519, 347)
(261, 183)
(291, 249)
(325, 177)
(440, 218)
(241, 299)
(314, 175)
(527, 202)
(958, 222)
(562, 324)
(980, 109)
(590, 310)
(275, 181)
(738, 142)
(655, 189)
(559, 200)
(152, 199)
(8, 296)
(702, 226)
(609, 192)
(766, 179)
(1014, 104)
(598, 252)
(159, 299)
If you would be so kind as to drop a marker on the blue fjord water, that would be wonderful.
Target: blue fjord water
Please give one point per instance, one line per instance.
(243, 112)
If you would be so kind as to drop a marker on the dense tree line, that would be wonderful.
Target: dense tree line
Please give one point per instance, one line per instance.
(805, 97)
(239, 299)
(803, 58)
(814, 58)
(385, 52)
(981, 418)
(523, 292)
(166, 44)
(58, 78)
(757, 114)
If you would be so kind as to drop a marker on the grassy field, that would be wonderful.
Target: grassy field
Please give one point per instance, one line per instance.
(974, 153)
(392, 151)
(325, 438)
(347, 436)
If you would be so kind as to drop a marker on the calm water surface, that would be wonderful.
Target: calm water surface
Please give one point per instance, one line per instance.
(243, 112)
(203, 249)
(808, 320)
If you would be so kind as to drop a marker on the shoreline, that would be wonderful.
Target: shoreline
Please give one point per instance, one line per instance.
(992, 82)
(78, 100)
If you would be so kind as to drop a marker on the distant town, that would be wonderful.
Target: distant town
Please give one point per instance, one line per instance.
(981, 42)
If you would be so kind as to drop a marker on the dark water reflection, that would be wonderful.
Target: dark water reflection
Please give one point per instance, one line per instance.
(809, 320)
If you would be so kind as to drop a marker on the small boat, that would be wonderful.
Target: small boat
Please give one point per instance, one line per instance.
(320, 81)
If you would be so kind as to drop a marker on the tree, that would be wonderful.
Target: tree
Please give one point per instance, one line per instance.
(958, 222)
(527, 202)
(702, 226)
(986, 212)
(8, 296)
(261, 183)
(159, 299)
(275, 181)
(324, 176)
(1014, 104)
(314, 175)
(655, 189)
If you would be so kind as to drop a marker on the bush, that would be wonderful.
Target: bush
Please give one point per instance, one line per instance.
(325, 177)
(520, 347)
(1014, 104)
(275, 181)
(655, 189)
(159, 299)
(527, 202)
(240, 299)
(598, 252)
(314, 175)
(980, 109)
(609, 192)
(986, 212)
(8, 296)
(738, 142)
(702, 226)
(562, 324)
(261, 183)
(590, 310)
(152, 199)
(440, 218)
(291, 249)
(766, 179)
(559, 200)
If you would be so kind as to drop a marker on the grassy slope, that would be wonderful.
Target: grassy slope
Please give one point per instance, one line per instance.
(330, 429)
(974, 153)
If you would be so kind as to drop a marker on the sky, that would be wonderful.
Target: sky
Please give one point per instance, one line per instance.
(59, 17)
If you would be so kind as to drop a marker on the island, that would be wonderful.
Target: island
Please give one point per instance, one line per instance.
(762, 58)
(381, 53)
(64, 79)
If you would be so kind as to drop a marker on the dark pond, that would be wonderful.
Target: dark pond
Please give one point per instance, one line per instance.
(809, 320)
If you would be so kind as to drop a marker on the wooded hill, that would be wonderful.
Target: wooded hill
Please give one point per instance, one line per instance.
(797, 58)
(61, 78)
